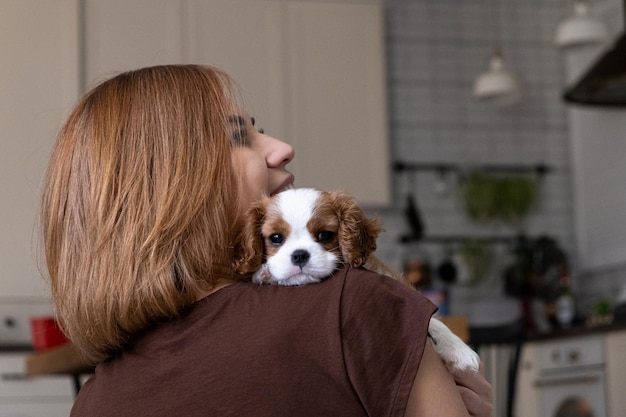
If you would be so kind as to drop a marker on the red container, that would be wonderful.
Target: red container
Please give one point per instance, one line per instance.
(46, 333)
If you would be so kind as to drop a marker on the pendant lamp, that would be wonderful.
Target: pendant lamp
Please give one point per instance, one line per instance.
(604, 83)
(498, 85)
(581, 28)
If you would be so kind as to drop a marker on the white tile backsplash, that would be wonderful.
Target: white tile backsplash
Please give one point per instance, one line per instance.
(435, 51)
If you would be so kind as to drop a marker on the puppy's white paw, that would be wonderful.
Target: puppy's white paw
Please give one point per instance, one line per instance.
(461, 358)
(457, 355)
(262, 276)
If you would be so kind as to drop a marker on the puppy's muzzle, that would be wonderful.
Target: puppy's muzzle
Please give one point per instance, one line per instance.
(300, 257)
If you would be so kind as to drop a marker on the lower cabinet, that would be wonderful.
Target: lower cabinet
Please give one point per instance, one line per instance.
(526, 402)
(616, 373)
(563, 375)
(33, 409)
(50, 396)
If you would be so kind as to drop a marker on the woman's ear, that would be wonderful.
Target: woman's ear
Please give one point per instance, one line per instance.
(249, 249)
(357, 233)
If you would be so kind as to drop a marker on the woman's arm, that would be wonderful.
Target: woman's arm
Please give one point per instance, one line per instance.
(434, 391)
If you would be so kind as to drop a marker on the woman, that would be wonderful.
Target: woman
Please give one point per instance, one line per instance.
(142, 204)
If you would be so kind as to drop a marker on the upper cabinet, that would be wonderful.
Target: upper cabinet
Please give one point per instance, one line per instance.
(337, 98)
(312, 73)
(120, 35)
(245, 39)
(39, 82)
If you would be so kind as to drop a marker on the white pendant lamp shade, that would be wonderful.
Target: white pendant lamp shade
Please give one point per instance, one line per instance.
(497, 85)
(582, 28)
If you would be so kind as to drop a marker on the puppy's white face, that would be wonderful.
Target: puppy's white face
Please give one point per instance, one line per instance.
(300, 238)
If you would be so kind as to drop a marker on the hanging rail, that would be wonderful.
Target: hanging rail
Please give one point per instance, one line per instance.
(444, 167)
(449, 239)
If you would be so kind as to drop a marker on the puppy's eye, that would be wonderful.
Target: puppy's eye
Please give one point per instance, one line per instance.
(276, 239)
(325, 236)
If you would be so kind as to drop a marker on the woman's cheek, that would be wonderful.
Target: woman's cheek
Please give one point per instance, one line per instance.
(252, 175)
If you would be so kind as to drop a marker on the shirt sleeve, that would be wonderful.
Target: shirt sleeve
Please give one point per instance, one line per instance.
(384, 328)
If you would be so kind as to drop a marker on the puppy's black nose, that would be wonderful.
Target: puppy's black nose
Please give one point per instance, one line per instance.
(300, 257)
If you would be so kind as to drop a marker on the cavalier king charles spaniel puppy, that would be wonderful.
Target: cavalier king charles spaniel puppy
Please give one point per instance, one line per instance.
(301, 236)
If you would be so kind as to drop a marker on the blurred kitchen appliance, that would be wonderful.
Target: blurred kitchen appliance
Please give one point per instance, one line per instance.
(572, 377)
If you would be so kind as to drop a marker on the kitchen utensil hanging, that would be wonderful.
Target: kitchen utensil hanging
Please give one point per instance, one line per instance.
(447, 269)
(412, 212)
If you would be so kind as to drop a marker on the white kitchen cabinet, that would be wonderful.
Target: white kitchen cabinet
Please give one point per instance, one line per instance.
(245, 39)
(120, 35)
(615, 345)
(311, 72)
(32, 397)
(39, 82)
(337, 114)
(526, 402)
(592, 367)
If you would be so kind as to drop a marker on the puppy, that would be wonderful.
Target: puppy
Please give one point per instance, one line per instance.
(300, 236)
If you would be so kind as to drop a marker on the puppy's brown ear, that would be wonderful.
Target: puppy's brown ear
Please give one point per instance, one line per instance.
(357, 232)
(249, 247)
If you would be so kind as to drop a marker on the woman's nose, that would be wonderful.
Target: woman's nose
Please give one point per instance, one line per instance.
(281, 153)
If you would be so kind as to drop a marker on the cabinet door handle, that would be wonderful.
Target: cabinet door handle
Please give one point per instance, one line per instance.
(14, 376)
(583, 379)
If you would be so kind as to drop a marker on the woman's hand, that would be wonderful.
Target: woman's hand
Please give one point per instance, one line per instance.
(475, 392)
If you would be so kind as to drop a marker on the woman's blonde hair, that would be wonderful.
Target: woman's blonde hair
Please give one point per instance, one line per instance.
(139, 202)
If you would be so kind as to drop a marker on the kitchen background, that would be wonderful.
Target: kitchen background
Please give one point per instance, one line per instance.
(433, 51)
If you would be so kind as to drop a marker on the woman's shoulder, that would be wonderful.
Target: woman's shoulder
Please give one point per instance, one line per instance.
(382, 304)
(345, 287)
(384, 329)
(364, 282)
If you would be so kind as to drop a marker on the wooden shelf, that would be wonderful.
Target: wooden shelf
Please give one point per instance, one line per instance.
(64, 359)
(459, 325)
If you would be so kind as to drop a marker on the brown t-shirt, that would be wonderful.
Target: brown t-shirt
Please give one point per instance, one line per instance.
(349, 346)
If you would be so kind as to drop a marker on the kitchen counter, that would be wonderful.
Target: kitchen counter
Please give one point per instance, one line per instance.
(12, 348)
(65, 359)
(576, 331)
